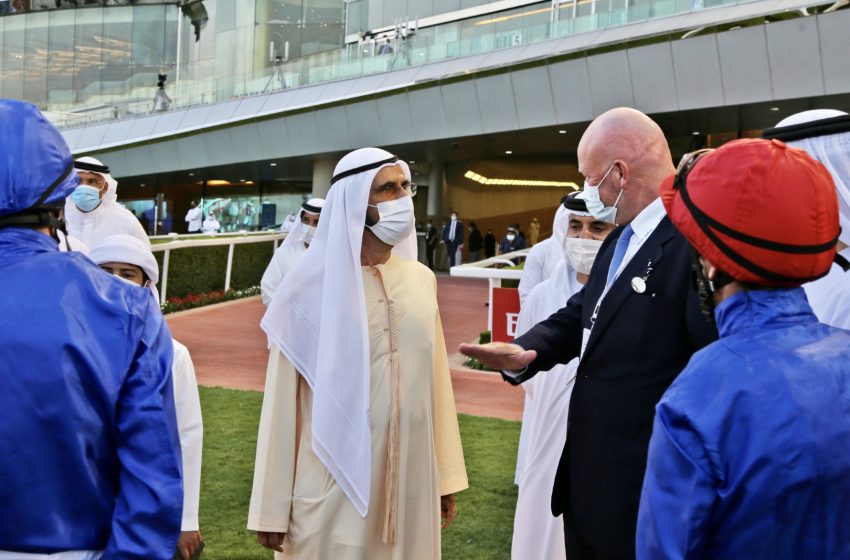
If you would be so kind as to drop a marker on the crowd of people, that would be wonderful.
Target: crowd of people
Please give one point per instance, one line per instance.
(683, 350)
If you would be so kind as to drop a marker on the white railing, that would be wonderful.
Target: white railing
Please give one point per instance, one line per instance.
(482, 269)
(207, 240)
(240, 233)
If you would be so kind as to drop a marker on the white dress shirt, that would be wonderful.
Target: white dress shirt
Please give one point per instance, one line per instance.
(643, 225)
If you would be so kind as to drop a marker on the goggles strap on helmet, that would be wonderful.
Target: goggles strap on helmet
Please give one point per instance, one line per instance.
(706, 223)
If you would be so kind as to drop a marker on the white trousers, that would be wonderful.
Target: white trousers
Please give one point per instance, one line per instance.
(67, 555)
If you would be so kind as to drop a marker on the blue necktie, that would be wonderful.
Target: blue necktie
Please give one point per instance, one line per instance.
(620, 251)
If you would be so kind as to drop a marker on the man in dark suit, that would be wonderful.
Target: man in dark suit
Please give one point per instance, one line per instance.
(635, 325)
(430, 243)
(453, 238)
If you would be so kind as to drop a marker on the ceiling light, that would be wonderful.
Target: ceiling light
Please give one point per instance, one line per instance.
(412, 161)
(191, 174)
(695, 133)
(142, 185)
(508, 152)
(473, 176)
(500, 19)
(273, 164)
(562, 132)
(774, 108)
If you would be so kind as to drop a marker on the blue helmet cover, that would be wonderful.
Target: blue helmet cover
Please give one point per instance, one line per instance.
(34, 156)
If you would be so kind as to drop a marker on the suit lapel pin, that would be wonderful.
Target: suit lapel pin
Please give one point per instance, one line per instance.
(638, 283)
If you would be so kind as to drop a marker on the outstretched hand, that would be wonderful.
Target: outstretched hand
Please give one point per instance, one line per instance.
(499, 355)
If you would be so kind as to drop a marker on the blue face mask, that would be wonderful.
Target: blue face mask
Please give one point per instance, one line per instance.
(86, 198)
(594, 203)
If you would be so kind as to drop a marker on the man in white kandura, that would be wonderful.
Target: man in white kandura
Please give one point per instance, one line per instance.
(359, 450)
(293, 248)
(544, 257)
(289, 223)
(537, 533)
(131, 260)
(92, 212)
(540, 263)
(210, 224)
(825, 135)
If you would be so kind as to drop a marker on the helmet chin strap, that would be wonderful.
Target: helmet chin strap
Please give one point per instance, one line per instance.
(705, 287)
(58, 224)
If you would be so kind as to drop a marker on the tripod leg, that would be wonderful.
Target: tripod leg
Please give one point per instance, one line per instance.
(268, 84)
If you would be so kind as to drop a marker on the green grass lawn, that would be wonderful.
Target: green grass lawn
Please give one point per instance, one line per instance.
(485, 511)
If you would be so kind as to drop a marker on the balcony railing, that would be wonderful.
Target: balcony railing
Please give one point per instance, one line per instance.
(453, 40)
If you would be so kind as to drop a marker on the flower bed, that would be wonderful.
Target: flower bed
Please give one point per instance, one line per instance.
(192, 301)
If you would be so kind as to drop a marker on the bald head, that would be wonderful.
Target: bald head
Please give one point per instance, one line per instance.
(635, 146)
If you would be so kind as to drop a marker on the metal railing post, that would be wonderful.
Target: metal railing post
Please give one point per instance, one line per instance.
(173, 245)
(494, 283)
(229, 266)
(165, 259)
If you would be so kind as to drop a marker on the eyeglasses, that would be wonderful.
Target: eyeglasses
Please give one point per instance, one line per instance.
(687, 163)
(388, 188)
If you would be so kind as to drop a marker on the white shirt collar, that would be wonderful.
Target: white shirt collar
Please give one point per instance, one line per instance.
(647, 220)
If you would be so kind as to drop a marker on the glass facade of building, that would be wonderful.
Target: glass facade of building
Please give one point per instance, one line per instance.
(101, 62)
(250, 205)
(62, 59)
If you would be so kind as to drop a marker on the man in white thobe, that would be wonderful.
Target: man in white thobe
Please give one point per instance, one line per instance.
(131, 260)
(544, 256)
(358, 450)
(293, 248)
(825, 135)
(92, 212)
(289, 223)
(211, 224)
(538, 534)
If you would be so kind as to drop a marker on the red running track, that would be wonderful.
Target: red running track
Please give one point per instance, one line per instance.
(229, 348)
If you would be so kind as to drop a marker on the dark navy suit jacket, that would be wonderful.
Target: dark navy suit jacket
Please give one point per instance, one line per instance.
(453, 243)
(639, 344)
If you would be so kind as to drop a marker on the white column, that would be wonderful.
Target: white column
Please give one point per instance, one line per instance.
(436, 188)
(323, 170)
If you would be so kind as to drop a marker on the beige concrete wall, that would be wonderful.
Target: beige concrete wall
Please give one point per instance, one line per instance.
(475, 201)
(488, 202)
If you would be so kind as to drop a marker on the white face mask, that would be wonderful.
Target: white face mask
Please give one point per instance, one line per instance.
(395, 222)
(127, 280)
(510, 237)
(595, 205)
(581, 253)
(307, 233)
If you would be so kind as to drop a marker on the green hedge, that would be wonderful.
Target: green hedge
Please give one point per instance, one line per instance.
(197, 270)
